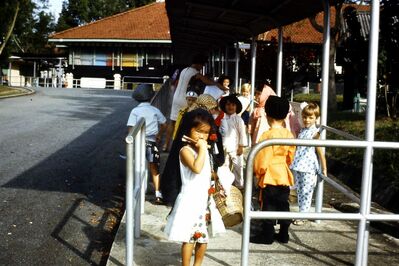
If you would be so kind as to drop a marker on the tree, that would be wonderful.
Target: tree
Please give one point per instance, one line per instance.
(80, 12)
(334, 37)
(354, 52)
(25, 26)
(9, 12)
(388, 55)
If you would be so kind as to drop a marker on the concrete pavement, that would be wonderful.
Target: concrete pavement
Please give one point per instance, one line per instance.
(327, 243)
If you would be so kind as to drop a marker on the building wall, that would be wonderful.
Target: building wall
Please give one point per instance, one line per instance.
(104, 62)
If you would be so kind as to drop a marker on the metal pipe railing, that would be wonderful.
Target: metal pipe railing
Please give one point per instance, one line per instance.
(363, 229)
(324, 91)
(362, 217)
(342, 189)
(340, 133)
(279, 66)
(124, 82)
(136, 175)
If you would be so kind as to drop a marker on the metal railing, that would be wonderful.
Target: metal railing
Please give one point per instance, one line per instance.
(362, 240)
(128, 81)
(136, 181)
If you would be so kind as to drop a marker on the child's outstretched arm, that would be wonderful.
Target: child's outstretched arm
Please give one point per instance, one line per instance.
(322, 160)
(320, 154)
(188, 159)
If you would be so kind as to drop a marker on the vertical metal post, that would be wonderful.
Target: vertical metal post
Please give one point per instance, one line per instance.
(34, 69)
(365, 196)
(137, 184)
(237, 88)
(226, 59)
(221, 63)
(129, 201)
(121, 61)
(279, 61)
(247, 209)
(213, 64)
(324, 93)
(112, 60)
(73, 59)
(253, 70)
(59, 74)
(144, 168)
(9, 73)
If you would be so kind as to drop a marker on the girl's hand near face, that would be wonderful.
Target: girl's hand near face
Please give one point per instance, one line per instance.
(201, 144)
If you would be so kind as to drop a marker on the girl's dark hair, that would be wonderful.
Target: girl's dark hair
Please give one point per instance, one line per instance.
(222, 78)
(193, 119)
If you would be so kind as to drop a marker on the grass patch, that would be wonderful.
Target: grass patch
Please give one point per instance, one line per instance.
(7, 91)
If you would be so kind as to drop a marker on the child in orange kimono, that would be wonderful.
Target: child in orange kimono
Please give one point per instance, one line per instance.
(271, 167)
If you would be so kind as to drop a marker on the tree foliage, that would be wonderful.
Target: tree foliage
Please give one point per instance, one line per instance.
(335, 36)
(354, 49)
(25, 26)
(388, 54)
(80, 12)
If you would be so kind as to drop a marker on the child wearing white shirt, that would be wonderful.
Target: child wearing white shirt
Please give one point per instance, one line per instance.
(234, 136)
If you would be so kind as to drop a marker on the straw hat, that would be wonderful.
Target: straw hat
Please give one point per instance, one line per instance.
(207, 102)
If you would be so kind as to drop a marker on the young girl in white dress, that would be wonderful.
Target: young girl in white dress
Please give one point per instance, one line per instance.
(195, 211)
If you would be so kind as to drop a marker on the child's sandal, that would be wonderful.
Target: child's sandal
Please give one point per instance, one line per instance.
(299, 222)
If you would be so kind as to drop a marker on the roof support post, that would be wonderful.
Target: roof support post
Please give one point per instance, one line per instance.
(73, 59)
(237, 89)
(324, 94)
(221, 63)
(226, 59)
(365, 196)
(9, 73)
(34, 69)
(253, 70)
(213, 64)
(59, 74)
(279, 61)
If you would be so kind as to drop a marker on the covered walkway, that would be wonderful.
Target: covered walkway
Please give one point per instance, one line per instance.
(339, 239)
(327, 243)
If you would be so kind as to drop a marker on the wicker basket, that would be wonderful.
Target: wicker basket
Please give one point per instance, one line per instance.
(230, 207)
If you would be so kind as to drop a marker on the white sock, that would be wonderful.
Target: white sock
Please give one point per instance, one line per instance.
(158, 194)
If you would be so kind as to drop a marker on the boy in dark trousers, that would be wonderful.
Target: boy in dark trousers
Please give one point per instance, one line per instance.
(271, 167)
(155, 122)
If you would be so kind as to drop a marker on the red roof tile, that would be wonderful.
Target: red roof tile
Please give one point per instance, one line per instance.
(302, 31)
(148, 22)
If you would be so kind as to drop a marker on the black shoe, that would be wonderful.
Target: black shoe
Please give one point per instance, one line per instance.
(282, 238)
(259, 239)
(158, 201)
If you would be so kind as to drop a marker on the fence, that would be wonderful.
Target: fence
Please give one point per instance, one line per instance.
(128, 82)
(136, 181)
(363, 217)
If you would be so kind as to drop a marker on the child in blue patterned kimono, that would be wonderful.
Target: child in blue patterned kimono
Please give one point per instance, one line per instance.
(307, 160)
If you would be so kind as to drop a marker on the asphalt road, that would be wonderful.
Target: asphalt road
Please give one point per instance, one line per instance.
(61, 181)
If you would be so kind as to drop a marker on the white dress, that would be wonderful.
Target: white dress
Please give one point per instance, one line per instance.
(191, 203)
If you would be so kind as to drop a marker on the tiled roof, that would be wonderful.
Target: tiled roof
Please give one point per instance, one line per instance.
(302, 31)
(148, 22)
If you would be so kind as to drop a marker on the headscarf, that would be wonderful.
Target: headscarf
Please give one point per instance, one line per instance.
(266, 92)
